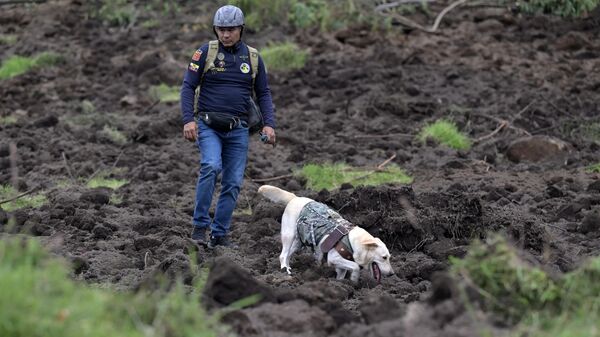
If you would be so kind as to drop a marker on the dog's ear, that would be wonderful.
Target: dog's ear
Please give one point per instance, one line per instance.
(369, 242)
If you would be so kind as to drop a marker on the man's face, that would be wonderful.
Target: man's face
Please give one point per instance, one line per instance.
(228, 35)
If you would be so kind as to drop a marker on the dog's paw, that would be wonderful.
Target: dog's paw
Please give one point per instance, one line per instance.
(287, 270)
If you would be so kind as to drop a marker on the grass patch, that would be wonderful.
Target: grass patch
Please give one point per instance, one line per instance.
(7, 192)
(102, 180)
(284, 57)
(17, 65)
(593, 168)
(114, 135)
(591, 131)
(445, 132)
(543, 306)
(164, 93)
(8, 39)
(8, 120)
(37, 298)
(331, 176)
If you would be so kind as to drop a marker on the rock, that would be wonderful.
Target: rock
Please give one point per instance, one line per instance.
(46, 121)
(228, 282)
(538, 149)
(590, 223)
(595, 186)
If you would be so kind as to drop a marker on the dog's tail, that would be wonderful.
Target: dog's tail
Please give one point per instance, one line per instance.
(276, 194)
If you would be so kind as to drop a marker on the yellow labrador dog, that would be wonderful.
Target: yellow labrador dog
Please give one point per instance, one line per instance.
(306, 222)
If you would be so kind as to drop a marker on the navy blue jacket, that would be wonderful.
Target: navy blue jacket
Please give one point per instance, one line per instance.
(228, 86)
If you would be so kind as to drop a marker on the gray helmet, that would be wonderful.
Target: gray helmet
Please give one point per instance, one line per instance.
(228, 16)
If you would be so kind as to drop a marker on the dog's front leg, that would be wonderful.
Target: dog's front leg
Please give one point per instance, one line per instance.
(342, 266)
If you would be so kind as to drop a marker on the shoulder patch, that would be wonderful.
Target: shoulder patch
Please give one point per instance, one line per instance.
(194, 67)
(197, 55)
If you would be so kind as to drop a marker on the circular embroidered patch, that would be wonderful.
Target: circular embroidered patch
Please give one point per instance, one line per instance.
(245, 68)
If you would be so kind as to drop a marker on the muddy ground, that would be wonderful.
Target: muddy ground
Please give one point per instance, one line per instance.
(360, 99)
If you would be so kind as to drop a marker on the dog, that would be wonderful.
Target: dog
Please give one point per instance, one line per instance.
(305, 221)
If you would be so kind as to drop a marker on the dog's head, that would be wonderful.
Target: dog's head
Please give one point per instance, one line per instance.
(370, 252)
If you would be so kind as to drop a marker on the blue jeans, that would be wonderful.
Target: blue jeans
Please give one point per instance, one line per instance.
(226, 153)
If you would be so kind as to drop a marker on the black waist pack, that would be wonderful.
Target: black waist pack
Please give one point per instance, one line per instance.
(220, 121)
(255, 117)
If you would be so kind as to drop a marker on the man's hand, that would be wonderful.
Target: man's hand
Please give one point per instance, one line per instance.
(270, 133)
(190, 131)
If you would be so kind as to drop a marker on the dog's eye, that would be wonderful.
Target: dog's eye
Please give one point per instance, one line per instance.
(385, 257)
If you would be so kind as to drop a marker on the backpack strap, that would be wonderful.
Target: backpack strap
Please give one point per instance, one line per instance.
(253, 63)
(211, 56)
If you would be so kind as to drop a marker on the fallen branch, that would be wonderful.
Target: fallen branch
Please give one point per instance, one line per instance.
(112, 167)
(493, 133)
(379, 168)
(19, 196)
(262, 180)
(409, 23)
(500, 121)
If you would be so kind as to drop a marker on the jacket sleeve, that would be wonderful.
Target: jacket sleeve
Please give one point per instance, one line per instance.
(263, 94)
(191, 80)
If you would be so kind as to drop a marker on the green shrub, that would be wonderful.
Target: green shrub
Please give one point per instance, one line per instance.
(544, 306)
(32, 200)
(566, 8)
(37, 299)
(164, 93)
(17, 65)
(445, 132)
(284, 57)
(331, 176)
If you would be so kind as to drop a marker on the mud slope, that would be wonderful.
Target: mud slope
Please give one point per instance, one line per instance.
(361, 99)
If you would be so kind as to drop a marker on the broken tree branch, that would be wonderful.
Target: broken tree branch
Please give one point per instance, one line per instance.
(410, 23)
(262, 180)
(493, 133)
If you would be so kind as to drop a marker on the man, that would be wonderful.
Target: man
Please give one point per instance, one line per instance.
(225, 89)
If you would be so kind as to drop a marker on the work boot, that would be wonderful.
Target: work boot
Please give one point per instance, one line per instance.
(219, 241)
(199, 235)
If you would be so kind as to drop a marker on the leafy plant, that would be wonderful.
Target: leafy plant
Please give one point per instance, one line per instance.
(17, 65)
(331, 176)
(566, 8)
(284, 57)
(164, 93)
(8, 192)
(117, 13)
(37, 298)
(544, 306)
(445, 132)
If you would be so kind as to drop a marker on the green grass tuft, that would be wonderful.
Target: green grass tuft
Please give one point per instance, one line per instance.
(331, 176)
(445, 132)
(114, 135)
(284, 57)
(593, 168)
(8, 120)
(102, 180)
(37, 298)
(17, 65)
(565, 8)
(164, 93)
(8, 39)
(8, 192)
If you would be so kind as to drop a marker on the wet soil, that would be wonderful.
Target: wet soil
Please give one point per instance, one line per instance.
(362, 98)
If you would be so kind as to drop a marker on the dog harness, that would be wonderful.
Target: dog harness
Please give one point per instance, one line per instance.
(318, 221)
